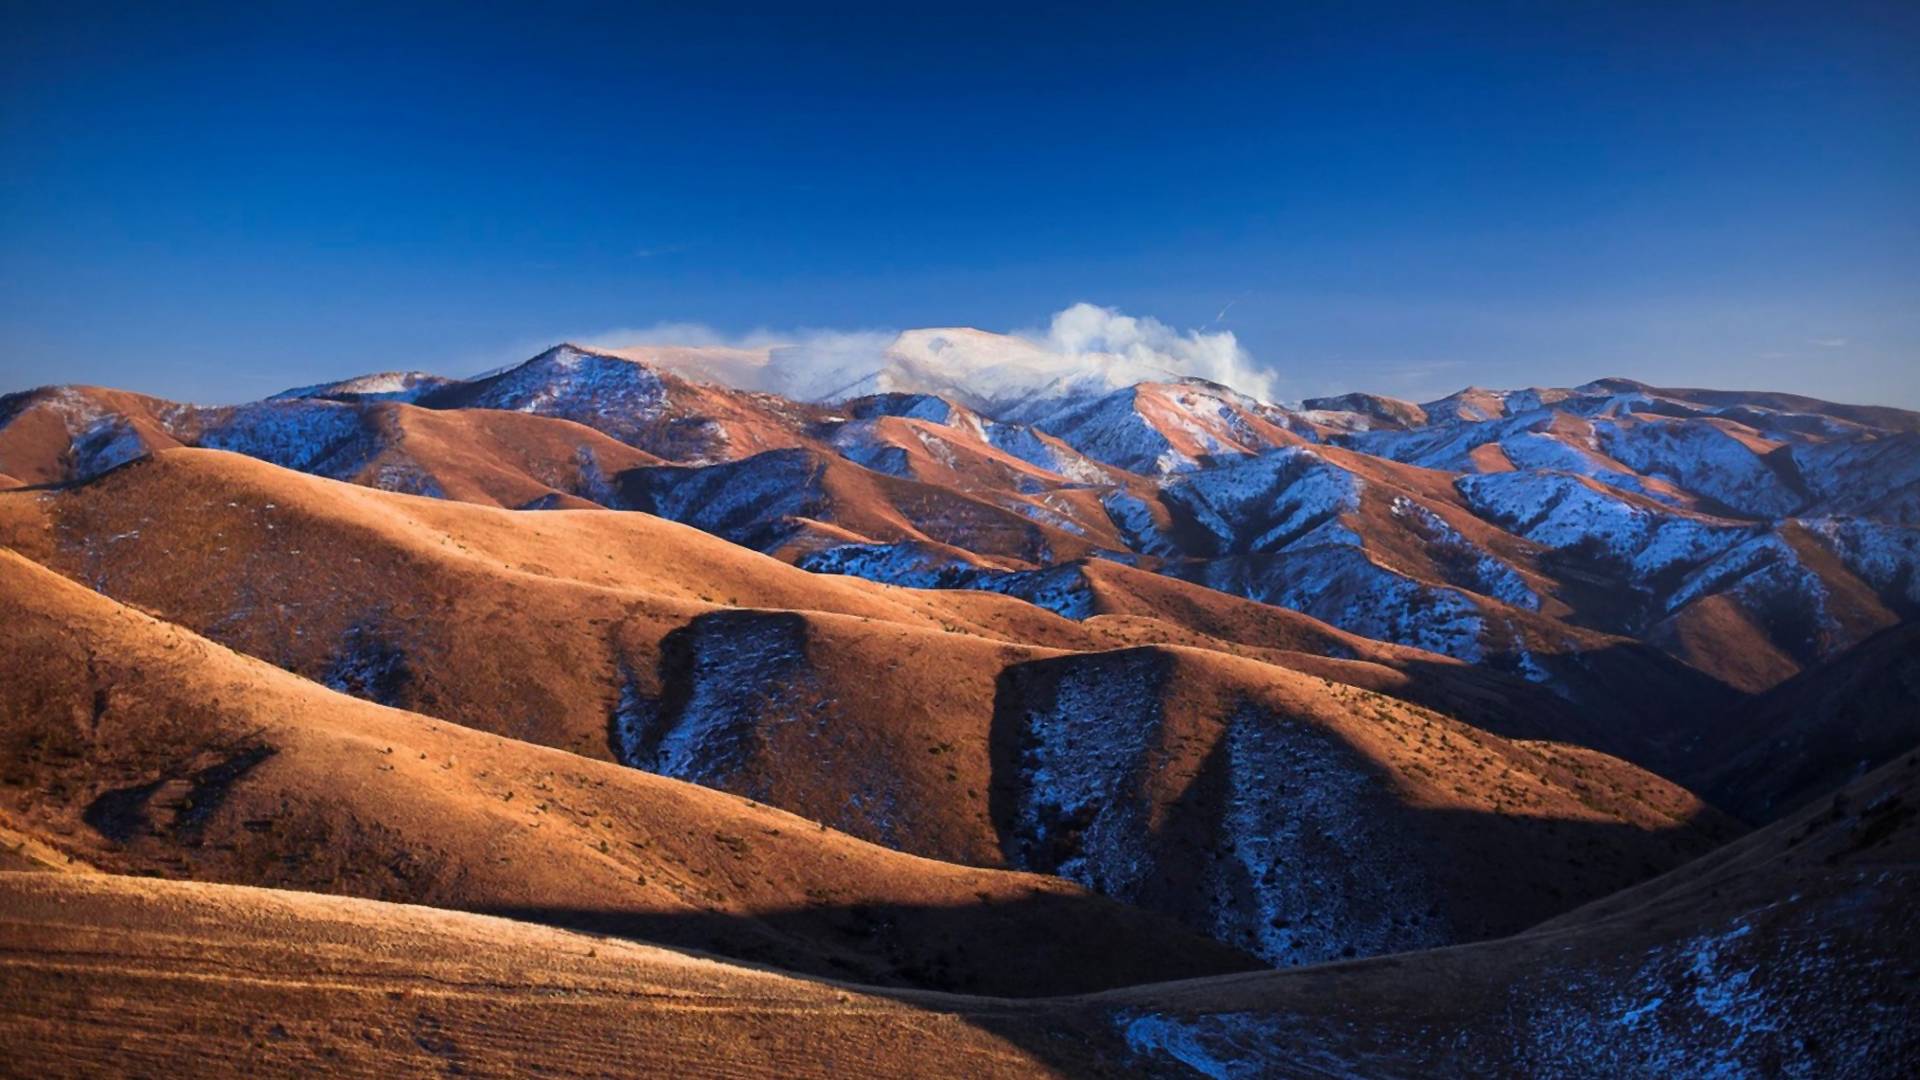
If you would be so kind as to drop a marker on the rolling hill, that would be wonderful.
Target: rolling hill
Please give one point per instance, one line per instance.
(628, 639)
(670, 709)
(1781, 955)
(139, 748)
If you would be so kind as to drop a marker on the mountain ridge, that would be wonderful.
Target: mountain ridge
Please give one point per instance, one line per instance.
(1573, 721)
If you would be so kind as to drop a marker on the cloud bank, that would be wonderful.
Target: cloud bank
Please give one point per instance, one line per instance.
(1087, 333)
(1084, 348)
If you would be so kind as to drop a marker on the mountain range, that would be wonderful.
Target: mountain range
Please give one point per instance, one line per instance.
(978, 709)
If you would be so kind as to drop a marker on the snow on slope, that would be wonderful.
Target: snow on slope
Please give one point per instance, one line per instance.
(1164, 428)
(742, 666)
(407, 386)
(1369, 410)
(743, 710)
(324, 437)
(1020, 441)
(1338, 583)
(1110, 429)
(616, 395)
(1563, 511)
(1705, 459)
(104, 444)
(749, 502)
(1465, 562)
(1875, 477)
(1133, 517)
(1767, 575)
(1885, 556)
(1061, 589)
(1027, 444)
(1307, 875)
(1264, 503)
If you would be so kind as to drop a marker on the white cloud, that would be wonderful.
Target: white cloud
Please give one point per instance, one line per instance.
(1084, 347)
(692, 334)
(821, 365)
(808, 363)
(1088, 334)
(1828, 342)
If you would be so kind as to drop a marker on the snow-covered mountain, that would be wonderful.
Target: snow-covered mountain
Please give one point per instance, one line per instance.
(1743, 535)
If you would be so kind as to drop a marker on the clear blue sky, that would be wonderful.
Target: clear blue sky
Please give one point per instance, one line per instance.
(213, 203)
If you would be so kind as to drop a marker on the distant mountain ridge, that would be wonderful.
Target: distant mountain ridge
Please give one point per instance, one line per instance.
(1714, 537)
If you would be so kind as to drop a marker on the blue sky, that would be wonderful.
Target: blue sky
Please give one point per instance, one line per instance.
(214, 203)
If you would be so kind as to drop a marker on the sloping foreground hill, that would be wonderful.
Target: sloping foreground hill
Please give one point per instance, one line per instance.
(1296, 818)
(138, 747)
(107, 975)
(1784, 954)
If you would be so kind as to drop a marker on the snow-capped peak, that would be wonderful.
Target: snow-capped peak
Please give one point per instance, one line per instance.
(379, 386)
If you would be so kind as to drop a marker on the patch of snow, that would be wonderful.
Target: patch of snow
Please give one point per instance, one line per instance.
(750, 502)
(1342, 585)
(1698, 457)
(1309, 877)
(1465, 563)
(369, 664)
(1885, 556)
(323, 437)
(743, 669)
(1080, 813)
(906, 562)
(1560, 512)
(1133, 518)
(1263, 503)
(1110, 429)
(107, 443)
(1220, 1046)
(406, 386)
(622, 398)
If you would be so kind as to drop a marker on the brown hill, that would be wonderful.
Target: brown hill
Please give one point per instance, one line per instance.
(138, 747)
(488, 456)
(108, 975)
(49, 435)
(1780, 954)
(793, 501)
(1512, 575)
(310, 575)
(530, 624)
(630, 399)
(491, 457)
(891, 714)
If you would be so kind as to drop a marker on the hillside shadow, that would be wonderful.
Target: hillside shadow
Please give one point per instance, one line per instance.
(1219, 844)
(975, 963)
(1040, 945)
(978, 962)
(1627, 700)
